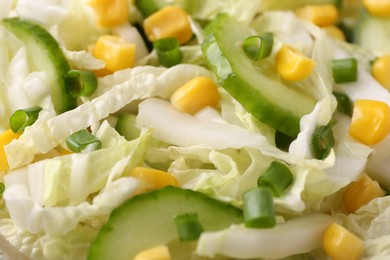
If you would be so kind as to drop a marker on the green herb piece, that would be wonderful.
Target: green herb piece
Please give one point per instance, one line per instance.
(258, 208)
(83, 141)
(258, 47)
(22, 118)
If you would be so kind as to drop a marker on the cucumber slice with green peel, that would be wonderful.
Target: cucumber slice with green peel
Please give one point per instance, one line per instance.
(267, 5)
(44, 54)
(147, 220)
(262, 93)
(373, 33)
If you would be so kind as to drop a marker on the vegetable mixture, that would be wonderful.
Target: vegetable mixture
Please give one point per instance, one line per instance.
(211, 129)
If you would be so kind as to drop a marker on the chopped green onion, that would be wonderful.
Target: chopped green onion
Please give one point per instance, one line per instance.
(83, 141)
(80, 83)
(344, 104)
(259, 46)
(277, 177)
(322, 141)
(146, 7)
(22, 118)
(258, 208)
(344, 70)
(168, 51)
(2, 189)
(188, 226)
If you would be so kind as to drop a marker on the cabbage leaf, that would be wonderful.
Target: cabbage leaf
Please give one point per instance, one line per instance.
(38, 194)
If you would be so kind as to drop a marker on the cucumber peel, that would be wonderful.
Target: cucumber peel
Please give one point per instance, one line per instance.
(44, 54)
(147, 220)
(262, 93)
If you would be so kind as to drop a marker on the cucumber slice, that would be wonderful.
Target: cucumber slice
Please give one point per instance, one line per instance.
(266, 5)
(373, 33)
(44, 54)
(147, 220)
(261, 93)
(126, 126)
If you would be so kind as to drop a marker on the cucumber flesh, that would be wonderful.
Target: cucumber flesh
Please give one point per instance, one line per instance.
(44, 54)
(373, 33)
(147, 220)
(262, 93)
(126, 126)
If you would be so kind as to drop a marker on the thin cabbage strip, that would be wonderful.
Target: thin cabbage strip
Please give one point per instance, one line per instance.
(177, 128)
(43, 136)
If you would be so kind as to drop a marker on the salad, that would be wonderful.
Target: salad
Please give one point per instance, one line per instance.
(164, 129)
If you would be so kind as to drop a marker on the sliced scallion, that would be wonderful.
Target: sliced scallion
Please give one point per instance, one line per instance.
(146, 7)
(2, 189)
(188, 226)
(258, 208)
(22, 118)
(168, 51)
(80, 83)
(344, 70)
(322, 141)
(258, 47)
(344, 103)
(277, 177)
(83, 141)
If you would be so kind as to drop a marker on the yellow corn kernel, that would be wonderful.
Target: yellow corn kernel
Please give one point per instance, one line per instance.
(5, 138)
(115, 52)
(341, 244)
(335, 32)
(293, 65)
(170, 21)
(154, 253)
(360, 192)
(321, 15)
(110, 12)
(378, 7)
(196, 94)
(370, 121)
(152, 179)
(380, 70)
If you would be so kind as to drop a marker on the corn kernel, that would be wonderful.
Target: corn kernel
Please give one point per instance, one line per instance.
(5, 138)
(370, 121)
(361, 192)
(335, 32)
(170, 21)
(115, 52)
(110, 12)
(321, 15)
(341, 244)
(380, 69)
(154, 253)
(152, 179)
(196, 94)
(293, 65)
(378, 7)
